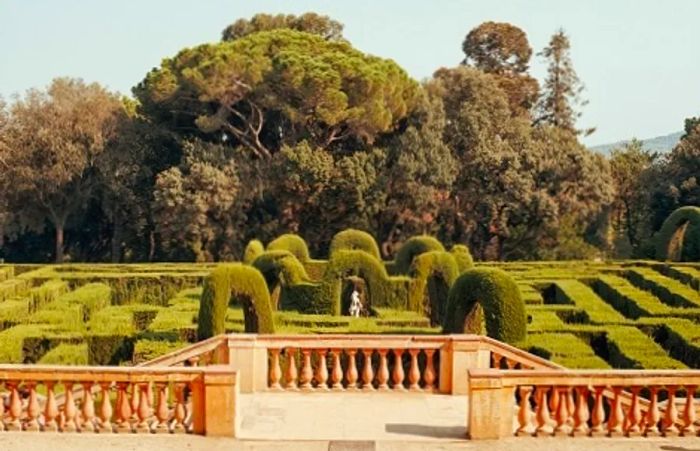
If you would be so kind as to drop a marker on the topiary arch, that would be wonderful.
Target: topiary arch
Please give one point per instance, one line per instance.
(463, 257)
(679, 236)
(240, 283)
(292, 243)
(411, 248)
(353, 239)
(492, 293)
(252, 250)
(281, 271)
(433, 274)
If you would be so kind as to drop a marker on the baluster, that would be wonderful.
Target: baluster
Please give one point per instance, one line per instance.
(123, 408)
(581, 413)
(50, 408)
(322, 370)
(688, 426)
(671, 416)
(414, 371)
(542, 414)
(496, 360)
(2, 416)
(598, 415)
(88, 408)
(510, 363)
(615, 418)
(33, 409)
(307, 373)
(134, 404)
(562, 412)
(180, 413)
(70, 411)
(336, 371)
(634, 414)
(105, 408)
(429, 373)
(554, 401)
(383, 371)
(653, 416)
(15, 411)
(291, 375)
(351, 373)
(275, 370)
(162, 412)
(367, 372)
(144, 410)
(398, 373)
(524, 412)
(570, 407)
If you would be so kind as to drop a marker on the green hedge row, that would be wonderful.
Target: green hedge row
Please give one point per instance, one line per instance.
(629, 347)
(291, 243)
(679, 236)
(432, 274)
(66, 354)
(670, 291)
(355, 240)
(689, 276)
(581, 295)
(565, 349)
(413, 247)
(6, 273)
(629, 299)
(252, 250)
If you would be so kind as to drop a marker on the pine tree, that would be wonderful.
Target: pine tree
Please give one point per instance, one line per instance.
(561, 93)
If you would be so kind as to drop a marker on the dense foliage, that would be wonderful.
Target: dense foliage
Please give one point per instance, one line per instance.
(284, 127)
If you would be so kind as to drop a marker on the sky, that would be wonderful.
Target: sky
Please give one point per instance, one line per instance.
(638, 59)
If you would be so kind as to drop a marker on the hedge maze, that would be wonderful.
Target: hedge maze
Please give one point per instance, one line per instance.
(623, 314)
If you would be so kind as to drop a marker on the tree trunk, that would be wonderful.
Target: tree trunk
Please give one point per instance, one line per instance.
(116, 240)
(59, 243)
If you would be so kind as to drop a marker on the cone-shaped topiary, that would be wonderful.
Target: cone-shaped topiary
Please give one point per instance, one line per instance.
(496, 294)
(252, 250)
(241, 283)
(463, 257)
(292, 243)
(355, 240)
(679, 237)
(411, 248)
(433, 274)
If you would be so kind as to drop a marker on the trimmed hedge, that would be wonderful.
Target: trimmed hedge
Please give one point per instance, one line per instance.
(565, 349)
(292, 243)
(669, 291)
(498, 296)
(252, 250)
(629, 347)
(463, 257)
(433, 274)
(355, 240)
(245, 285)
(413, 247)
(668, 237)
(628, 299)
(581, 295)
(66, 354)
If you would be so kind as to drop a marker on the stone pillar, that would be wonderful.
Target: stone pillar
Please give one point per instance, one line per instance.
(215, 402)
(250, 359)
(490, 410)
(459, 354)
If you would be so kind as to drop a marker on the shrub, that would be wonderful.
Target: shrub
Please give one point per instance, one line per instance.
(355, 240)
(245, 285)
(669, 291)
(565, 349)
(679, 236)
(463, 257)
(145, 350)
(497, 294)
(252, 250)
(66, 354)
(47, 292)
(629, 347)
(109, 349)
(411, 248)
(581, 295)
(433, 274)
(292, 243)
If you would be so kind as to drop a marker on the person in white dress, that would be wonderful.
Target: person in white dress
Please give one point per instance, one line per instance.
(355, 304)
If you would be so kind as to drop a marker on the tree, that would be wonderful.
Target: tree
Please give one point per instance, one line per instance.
(503, 50)
(310, 22)
(561, 94)
(278, 87)
(4, 181)
(55, 138)
(193, 204)
(630, 164)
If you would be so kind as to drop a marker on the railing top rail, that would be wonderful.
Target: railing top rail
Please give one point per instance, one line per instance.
(518, 354)
(96, 374)
(182, 355)
(606, 378)
(351, 341)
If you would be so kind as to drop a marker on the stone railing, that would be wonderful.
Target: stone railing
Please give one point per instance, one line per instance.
(580, 403)
(119, 399)
(207, 352)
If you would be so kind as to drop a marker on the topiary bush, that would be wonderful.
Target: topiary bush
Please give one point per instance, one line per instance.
(292, 243)
(281, 271)
(463, 257)
(355, 240)
(413, 247)
(433, 274)
(252, 250)
(496, 294)
(241, 283)
(679, 236)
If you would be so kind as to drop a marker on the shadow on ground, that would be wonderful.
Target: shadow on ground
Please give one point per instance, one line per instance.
(421, 430)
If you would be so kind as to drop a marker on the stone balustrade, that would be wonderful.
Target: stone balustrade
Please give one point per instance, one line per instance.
(581, 403)
(119, 399)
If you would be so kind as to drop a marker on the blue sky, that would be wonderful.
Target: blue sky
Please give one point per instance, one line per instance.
(638, 59)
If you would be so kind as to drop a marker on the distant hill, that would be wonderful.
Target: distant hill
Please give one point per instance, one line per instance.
(661, 144)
